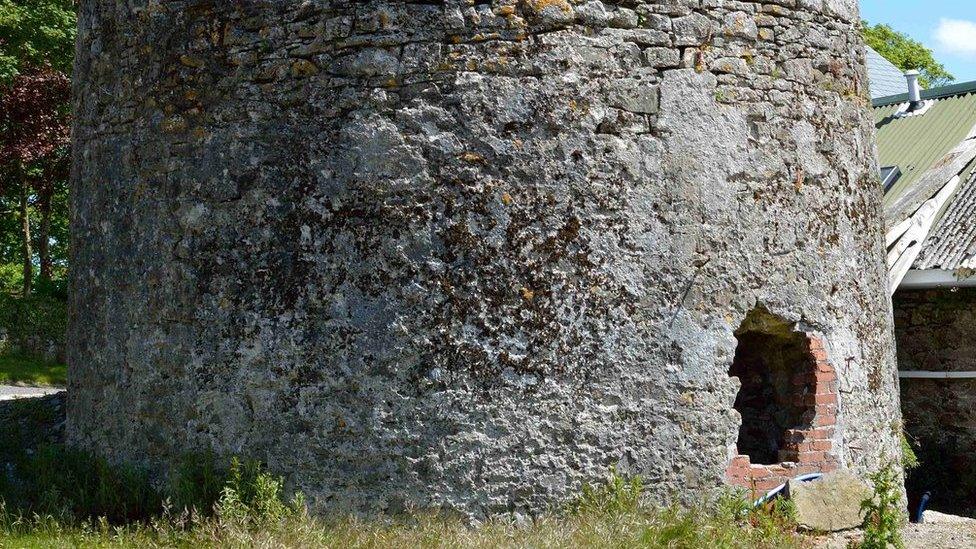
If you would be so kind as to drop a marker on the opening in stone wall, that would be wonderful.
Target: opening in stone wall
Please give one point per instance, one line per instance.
(772, 361)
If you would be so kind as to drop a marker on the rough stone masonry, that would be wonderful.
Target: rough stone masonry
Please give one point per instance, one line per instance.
(469, 255)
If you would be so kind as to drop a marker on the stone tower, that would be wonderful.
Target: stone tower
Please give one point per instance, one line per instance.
(472, 254)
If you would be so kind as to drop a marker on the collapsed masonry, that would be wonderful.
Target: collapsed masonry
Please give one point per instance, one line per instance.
(470, 255)
(787, 400)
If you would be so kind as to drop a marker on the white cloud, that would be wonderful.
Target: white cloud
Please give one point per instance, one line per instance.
(956, 36)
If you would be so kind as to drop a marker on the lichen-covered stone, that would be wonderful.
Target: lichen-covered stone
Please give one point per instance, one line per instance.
(831, 503)
(466, 255)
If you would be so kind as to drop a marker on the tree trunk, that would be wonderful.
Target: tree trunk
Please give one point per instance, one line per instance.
(26, 235)
(43, 237)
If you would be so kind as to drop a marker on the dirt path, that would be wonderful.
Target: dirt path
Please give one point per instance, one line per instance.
(940, 536)
(12, 392)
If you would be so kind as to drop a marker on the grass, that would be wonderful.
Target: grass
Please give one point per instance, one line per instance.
(251, 512)
(672, 528)
(23, 370)
(55, 496)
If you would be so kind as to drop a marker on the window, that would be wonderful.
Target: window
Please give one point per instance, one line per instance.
(889, 175)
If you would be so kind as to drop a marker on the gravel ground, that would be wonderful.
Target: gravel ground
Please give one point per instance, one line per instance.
(12, 392)
(940, 531)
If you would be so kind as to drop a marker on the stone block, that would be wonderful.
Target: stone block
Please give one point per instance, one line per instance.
(462, 256)
(830, 504)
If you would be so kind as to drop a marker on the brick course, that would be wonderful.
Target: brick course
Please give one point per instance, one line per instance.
(806, 450)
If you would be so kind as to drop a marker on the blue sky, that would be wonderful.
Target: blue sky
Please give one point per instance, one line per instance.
(946, 26)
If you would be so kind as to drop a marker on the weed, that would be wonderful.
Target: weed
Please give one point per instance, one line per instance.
(734, 505)
(77, 487)
(253, 496)
(777, 515)
(671, 527)
(909, 459)
(196, 482)
(882, 512)
(615, 497)
(72, 484)
(249, 512)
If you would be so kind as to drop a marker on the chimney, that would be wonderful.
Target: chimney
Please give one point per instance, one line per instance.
(914, 90)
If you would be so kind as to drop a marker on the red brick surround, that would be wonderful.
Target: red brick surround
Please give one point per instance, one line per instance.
(806, 450)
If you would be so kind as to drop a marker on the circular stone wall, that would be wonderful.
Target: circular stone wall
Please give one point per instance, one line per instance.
(466, 255)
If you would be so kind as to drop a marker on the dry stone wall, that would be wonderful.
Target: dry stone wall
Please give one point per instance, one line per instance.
(936, 331)
(467, 255)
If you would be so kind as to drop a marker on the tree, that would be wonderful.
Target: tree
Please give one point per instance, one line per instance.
(35, 33)
(907, 54)
(36, 52)
(34, 138)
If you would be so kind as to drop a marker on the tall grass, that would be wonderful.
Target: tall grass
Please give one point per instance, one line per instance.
(71, 484)
(251, 513)
(55, 496)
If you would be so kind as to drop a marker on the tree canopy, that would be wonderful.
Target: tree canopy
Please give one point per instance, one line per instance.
(35, 33)
(907, 54)
(34, 117)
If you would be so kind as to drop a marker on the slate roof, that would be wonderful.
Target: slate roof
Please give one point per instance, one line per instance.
(952, 243)
(884, 79)
(922, 146)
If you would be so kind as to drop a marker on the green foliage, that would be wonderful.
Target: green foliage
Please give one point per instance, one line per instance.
(882, 512)
(74, 500)
(774, 517)
(72, 484)
(731, 521)
(36, 54)
(907, 54)
(734, 505)
(254, 496)
(35, 325)
(909, 459)
(676, 528)
(11, 274)
(36, 32)
(615, 497)
(45, 478)
(243, 493)
(195, 484)
(33, 371)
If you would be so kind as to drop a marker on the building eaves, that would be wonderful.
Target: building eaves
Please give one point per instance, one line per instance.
(930, 210)
(919, 144)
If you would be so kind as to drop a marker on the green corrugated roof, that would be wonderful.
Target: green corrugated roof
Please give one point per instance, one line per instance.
(934, 93)
(916, 143)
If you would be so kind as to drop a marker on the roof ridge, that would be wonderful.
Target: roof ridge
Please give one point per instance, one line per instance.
(963, 88)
